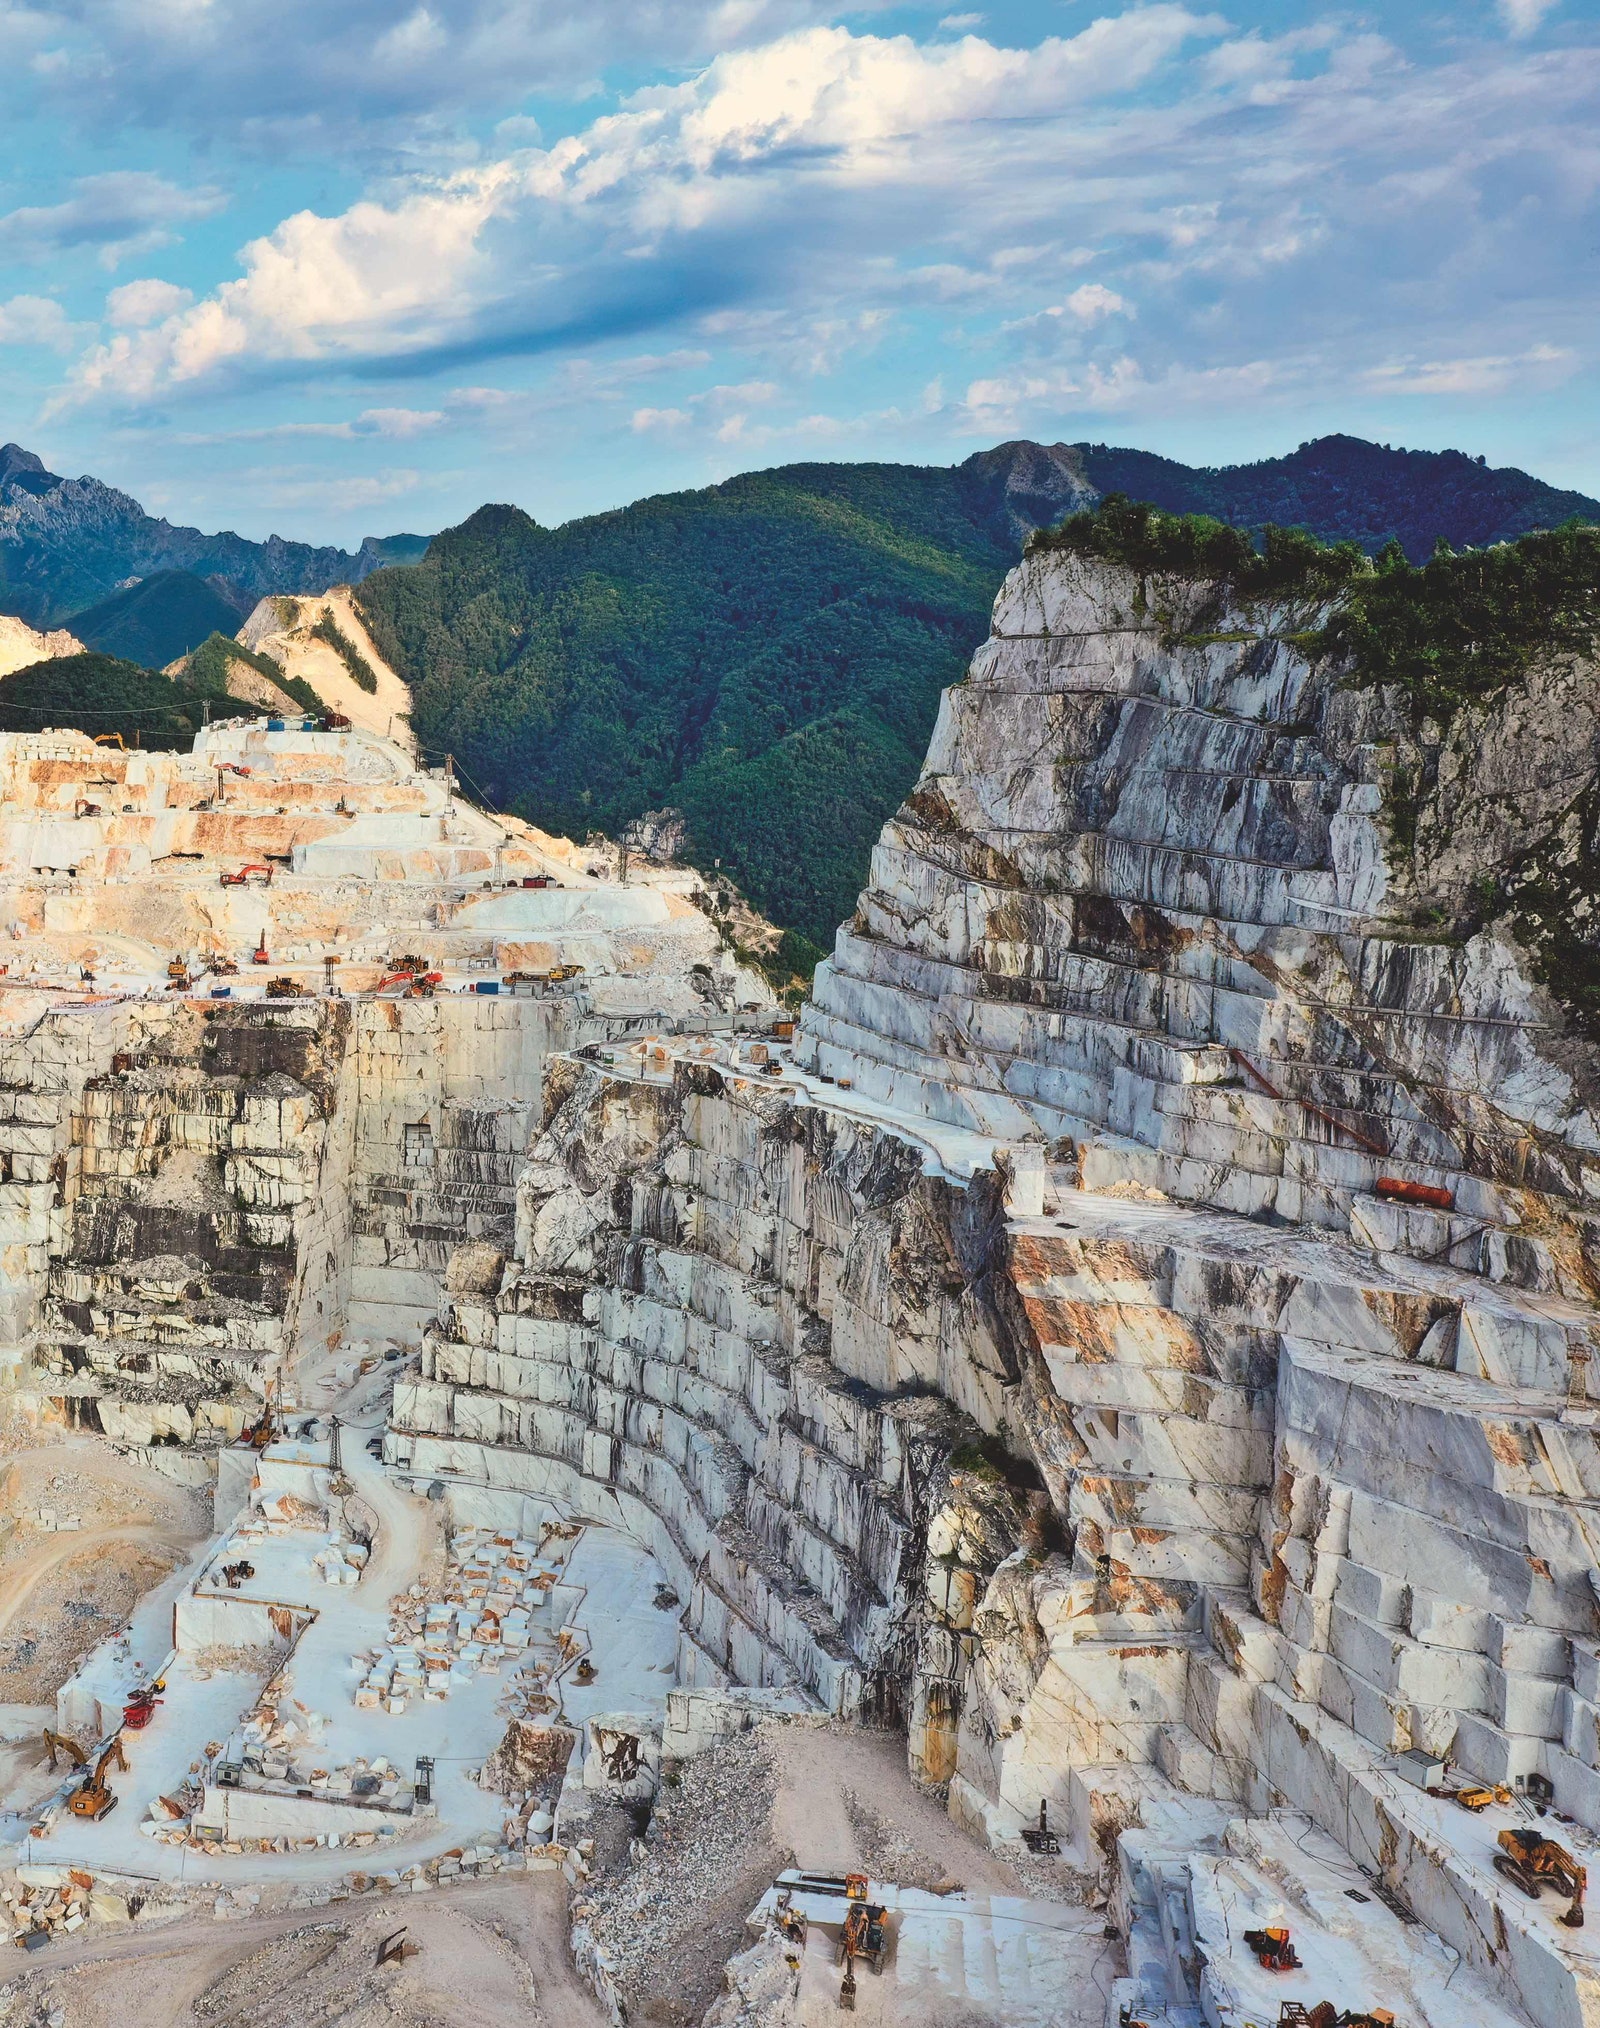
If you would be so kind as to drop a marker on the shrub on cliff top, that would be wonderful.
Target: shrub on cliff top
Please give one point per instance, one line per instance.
(1289, 563)
(1460, 627)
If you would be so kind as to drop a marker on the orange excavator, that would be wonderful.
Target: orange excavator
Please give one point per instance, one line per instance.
(94, 1799)
(241, 878)
(415, 982)
(863, 1934)
(1530, 1861)
(260, 1433)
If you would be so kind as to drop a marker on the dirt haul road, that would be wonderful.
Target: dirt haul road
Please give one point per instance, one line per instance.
(492, 1955)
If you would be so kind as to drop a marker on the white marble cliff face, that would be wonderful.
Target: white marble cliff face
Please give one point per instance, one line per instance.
(1221, 1471)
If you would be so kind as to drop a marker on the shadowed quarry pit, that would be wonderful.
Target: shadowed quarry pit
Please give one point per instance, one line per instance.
(1094, 1431)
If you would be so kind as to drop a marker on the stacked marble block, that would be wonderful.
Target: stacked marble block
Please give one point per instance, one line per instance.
(682, 1381)
(181, 1266)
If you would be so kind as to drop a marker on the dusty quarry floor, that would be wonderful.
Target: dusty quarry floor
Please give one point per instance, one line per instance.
(491, 1956)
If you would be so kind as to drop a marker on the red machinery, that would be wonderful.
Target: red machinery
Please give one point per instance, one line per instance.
(141, 1707)
(1273, 1949)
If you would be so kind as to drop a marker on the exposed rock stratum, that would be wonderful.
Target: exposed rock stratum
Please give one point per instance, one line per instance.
(1145, 1339)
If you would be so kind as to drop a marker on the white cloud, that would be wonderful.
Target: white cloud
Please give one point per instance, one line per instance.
(955, 23)
(1262, 215)
(1544, 365)
(1522, 17)
(37, 320)
(121, 212)
(856, 112)
(366, 74)
(137, 304)
(1094, 301)
(397, 422)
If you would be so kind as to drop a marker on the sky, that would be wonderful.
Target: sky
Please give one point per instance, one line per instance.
(335, 271)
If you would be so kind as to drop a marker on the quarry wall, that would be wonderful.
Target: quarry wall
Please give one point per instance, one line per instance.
(1143, 1335)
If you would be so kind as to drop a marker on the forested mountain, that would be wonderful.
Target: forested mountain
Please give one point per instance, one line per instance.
(766, 655)
(67, 544)
(156, 620)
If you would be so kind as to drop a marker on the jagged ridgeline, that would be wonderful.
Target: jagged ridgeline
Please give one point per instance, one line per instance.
(766, 656)
(1474, 678)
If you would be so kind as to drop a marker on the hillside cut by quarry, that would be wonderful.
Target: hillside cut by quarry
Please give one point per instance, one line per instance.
(1135, 1335)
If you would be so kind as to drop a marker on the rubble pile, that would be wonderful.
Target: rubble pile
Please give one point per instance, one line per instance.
(493, 1604)
(653, 1932)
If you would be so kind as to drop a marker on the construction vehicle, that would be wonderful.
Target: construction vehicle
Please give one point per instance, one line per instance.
(242, 877)
(140, 1708)
(416, 982)
(233, 768)
(1274, 1952)
(261, 1432)
(283, 988)
(1296, 2014)
(260, 955)
(94, 1799)
(863, 1934)
(1529, 1860)
(111, 739)
(1480, 1796)
(409, 963)
(177, 976)
(58, 1742)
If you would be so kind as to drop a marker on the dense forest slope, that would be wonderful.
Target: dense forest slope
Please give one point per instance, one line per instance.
(157, 619)
(66, 544)
(766, 655)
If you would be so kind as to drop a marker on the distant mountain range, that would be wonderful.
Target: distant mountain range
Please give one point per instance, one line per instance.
(67, 544)
(766, 656)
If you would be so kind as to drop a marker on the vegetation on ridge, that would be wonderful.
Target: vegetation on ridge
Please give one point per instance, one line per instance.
(207, 668)
(766, 656)
(362, 673)
(100, 693)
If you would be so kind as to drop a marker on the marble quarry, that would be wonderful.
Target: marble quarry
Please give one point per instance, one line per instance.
(272, 1021)
(1138, 1333)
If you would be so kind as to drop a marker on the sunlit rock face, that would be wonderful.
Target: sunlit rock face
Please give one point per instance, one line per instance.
(1144, 1339)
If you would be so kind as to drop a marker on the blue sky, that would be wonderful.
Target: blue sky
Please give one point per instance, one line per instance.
(328, 272)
